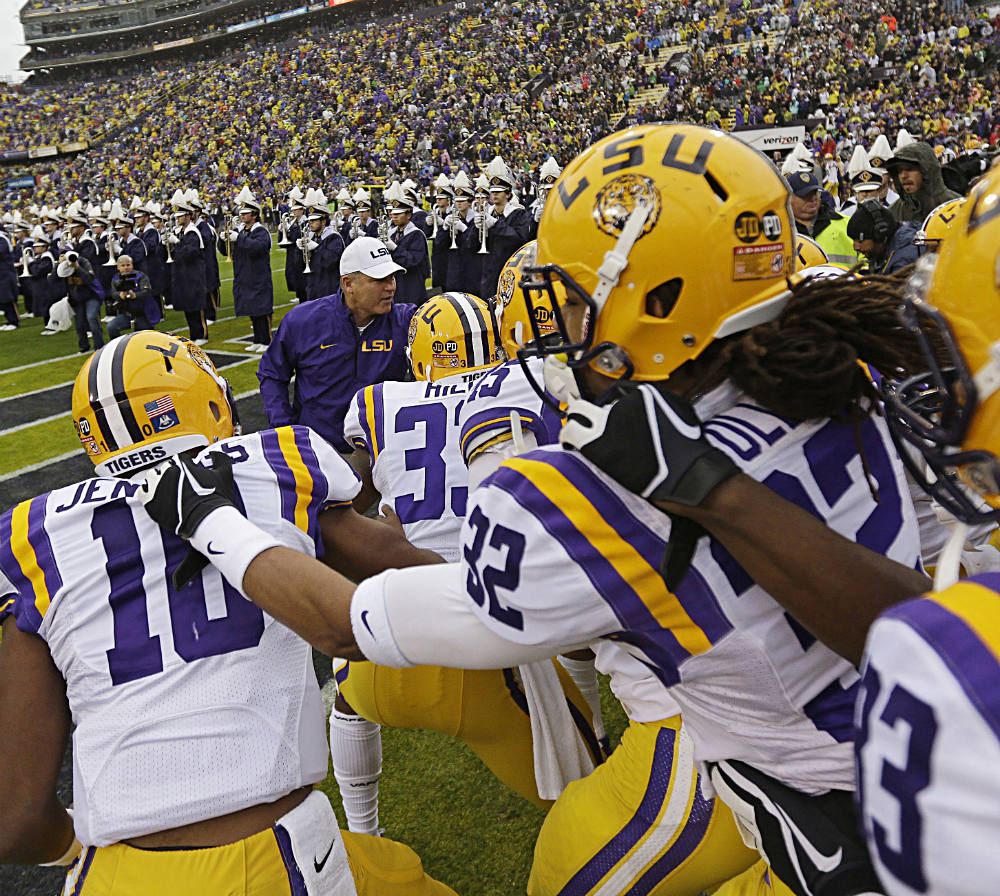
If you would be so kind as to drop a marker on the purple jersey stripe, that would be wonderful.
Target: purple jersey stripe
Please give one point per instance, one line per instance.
(497, 419)
(295, 879)
(973, 664)
(694, 594)
(641, 628)
(24, 610)
(637, 826)
(320, 485)
(832, 710)
(283, 473)
(38, 538)
(379, 412)
(88, 860)
(681, 849)
(363, 420)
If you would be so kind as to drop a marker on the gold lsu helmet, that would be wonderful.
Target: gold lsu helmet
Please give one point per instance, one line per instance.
(672, 236)
(146, 396)
(520, 326)
(951, 413)
(808, 253)
(937, 224)
(454, 332)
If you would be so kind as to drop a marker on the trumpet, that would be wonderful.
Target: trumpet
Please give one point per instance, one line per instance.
(25, 261)
(283, 227)
(235, 223)
(338, 219)
(170, 254)
(383, 228)
(481, 209)
(306, 252)
(355, 227)
(435, 214)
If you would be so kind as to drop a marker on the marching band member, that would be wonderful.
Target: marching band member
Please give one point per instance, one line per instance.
(547, 176)
(294, 278)
(22, 247)
(98, 221)
(128, 243)
(346, 210)
(187, 273)
(156, 257)
(440, 252)
(324, 244)
(408, 246)
(51, 221)
(161, 221)
(363, 224)
(507, 224)
(45, 289)
(208, 238)
(8, 282)
(465, 264)
(420, 218)
(253, 288)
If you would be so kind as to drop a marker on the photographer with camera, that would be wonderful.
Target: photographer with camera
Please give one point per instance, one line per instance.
(85, 297)
(132, 302)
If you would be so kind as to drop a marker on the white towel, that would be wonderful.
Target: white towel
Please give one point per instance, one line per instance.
(561, 756)
(317, 847)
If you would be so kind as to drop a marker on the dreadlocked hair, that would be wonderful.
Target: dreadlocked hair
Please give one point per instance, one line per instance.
(804, 364)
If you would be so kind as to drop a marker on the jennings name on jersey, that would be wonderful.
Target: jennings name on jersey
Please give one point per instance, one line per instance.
(928, 742)
(190, 700)
(411, 434)
(555, 552)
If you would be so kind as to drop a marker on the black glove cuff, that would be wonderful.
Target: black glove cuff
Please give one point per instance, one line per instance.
(697, 482)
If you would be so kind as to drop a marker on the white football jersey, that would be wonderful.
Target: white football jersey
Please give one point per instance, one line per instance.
(410, 431)
(555, 552)
(188, 703)
(485, 415)
(928, 742)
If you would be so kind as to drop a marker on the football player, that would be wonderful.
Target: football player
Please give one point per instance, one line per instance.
(406, 439)
(198, 724)
(557, 554)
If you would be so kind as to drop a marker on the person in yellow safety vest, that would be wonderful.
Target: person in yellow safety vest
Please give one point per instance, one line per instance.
(823, 224)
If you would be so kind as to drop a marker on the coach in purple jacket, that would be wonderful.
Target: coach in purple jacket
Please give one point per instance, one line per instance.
(338, 344)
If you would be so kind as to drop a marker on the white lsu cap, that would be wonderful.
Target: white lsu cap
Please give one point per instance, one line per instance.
(367, 255)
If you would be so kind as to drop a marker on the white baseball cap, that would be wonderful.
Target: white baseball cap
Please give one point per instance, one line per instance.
(367, 255)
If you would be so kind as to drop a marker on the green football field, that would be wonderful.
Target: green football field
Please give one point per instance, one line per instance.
(470, 830)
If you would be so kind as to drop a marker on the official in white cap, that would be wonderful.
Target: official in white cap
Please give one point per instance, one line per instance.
(338, 344)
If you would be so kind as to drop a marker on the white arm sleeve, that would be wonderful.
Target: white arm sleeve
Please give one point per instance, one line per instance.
(486, 461)
(422, 616)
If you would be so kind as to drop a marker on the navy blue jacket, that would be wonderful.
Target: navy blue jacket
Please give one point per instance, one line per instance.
(8, 273)
(135, 249)
(370, 229)
(319, 344)
(253, 287)
(212, 281)
(187, 274)
(155, 260)
(411, 253)
(323, 278)
(465, 264)
(899, 252)
(294, 278)
(505, 237)
(83, 285)
(423, 221)
(105, 272)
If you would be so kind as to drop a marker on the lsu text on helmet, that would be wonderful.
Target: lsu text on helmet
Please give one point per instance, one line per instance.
(520, 327)
(146, 396)
(937, 224)
(808, 253)
(454, 332)
(951, 413)
(666, 238)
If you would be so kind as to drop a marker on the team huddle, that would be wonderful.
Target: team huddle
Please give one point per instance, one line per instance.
(671, 450)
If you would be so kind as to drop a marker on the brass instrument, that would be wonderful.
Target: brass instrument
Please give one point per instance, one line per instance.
(453, 211)
(435, 214)
(306, 251)
(338, 219)
(170, 254)
(481, 208)
(25, 261)
(355, 227)
(383, 227)
(235, 223)
(283, 227)
(112, 261)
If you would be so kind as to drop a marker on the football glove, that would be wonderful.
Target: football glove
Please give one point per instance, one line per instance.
(651, 442)
(178, 494)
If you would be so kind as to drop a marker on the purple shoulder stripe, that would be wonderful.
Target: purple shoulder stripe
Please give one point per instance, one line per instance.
(973, 664)
(283, 473)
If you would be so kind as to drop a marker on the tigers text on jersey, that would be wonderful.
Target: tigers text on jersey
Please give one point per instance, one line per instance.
(485, 416)
(410, 431)
(928, 742)
(555, 552)
(188, 704)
